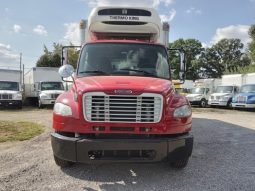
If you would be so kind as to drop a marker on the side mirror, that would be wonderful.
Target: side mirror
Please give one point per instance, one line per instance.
(69, 53)
(182, 67)
(66, 71)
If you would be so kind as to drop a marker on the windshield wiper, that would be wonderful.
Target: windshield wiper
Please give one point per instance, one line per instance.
(140, 71)
(92, 71)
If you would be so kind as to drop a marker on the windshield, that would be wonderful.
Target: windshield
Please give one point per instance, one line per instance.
(14, 86)
(52, 86)
(224, 89)
(248, 89)
(197, 90)
(124, 59)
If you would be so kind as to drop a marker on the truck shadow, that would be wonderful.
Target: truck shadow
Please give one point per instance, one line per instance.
(222, 153)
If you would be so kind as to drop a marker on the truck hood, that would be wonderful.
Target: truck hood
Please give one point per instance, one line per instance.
(8, 92)
(221, 94)
(137, 84)
(52, 91)
(245, 94)
(193, 95)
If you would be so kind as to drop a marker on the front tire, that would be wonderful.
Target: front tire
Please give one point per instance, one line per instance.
(40, 105)
(229, 104)
(62, 163)
(203, 103)
(180, 163)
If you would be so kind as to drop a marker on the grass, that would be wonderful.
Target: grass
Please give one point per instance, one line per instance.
(18, 131)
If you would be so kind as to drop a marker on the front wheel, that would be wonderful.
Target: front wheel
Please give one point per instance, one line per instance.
(180, 163)
(203, 103)
(40, 105)
(229, 104)
(62, 163)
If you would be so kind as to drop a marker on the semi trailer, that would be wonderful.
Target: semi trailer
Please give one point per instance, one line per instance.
(122, 105)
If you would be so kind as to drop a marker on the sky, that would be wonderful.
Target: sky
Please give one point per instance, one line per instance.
(27, 25)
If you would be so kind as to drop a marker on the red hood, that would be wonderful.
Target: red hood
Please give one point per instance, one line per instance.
(137, 84)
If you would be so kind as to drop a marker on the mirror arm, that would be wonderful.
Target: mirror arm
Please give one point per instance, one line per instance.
(62, 52)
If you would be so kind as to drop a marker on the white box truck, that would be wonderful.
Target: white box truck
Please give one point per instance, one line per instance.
(202, 89)
(43, 85)
(10, 88)
(224, 93)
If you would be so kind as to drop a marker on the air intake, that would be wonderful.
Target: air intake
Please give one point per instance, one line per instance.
(128, 12)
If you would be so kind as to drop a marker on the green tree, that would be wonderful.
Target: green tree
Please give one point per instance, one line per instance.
(251, 45)
(231, 55)
(193, 49)
(53, 58)
(209, 64)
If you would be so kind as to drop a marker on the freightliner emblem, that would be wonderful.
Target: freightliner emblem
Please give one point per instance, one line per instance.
(123, 91)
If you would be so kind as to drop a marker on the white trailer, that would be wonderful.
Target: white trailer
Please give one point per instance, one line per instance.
(249, 78)
(43, 85)
(202, 89)
(224, 93)
(10, 88)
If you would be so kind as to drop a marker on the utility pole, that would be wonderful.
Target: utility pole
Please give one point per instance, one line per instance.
(23, 76)
(20, 60)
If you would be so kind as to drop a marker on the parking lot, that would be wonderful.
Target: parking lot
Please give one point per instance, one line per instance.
(223, 159)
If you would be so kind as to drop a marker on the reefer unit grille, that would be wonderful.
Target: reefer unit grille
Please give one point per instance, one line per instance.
(145, 108)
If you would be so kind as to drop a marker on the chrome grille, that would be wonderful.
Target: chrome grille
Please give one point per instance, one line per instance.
(145, 108)
(6, 96)
(241, 99)
(54, 96)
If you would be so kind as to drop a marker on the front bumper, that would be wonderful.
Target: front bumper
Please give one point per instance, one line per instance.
(86, 150)
(6, 103)
(243, 105)
(47, 101)
(195, 102)
(219, 103)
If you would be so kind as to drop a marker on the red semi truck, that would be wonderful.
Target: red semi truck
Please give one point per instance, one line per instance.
(122, 105)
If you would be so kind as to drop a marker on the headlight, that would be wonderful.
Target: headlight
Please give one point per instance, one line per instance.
(198, 97)
(44, 96)
(251, 98)
(183, 111)
(226, 98)
(62, 109)
(17, 96)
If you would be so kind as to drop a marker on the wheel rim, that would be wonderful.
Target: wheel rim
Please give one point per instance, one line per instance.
(203, 104)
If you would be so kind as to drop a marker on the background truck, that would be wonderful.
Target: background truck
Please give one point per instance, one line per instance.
(201, 91)
(43, 85)
(10, 88)
(246, 96)
(122, 105)
(224, 93)
(183, 88)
